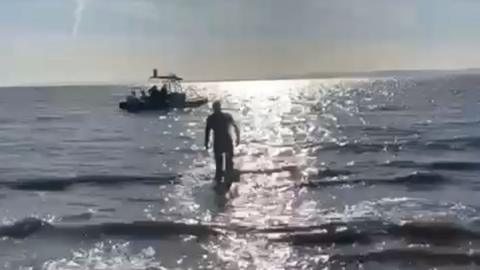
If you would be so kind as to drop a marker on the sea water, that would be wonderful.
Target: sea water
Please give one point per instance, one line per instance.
(360, 173)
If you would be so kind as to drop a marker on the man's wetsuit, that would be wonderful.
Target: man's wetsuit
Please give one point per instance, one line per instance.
(220, 123)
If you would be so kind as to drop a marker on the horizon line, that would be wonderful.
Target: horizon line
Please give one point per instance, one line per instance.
(305, 76)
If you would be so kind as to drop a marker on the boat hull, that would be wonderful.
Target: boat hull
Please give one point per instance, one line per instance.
(141, 106)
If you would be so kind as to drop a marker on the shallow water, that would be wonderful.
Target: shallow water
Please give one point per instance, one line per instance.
(374, 173)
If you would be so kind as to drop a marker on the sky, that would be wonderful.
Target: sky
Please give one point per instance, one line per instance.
(56, 41)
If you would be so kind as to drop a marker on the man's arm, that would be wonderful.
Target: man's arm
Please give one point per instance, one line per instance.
(237, 132)
(207, 133)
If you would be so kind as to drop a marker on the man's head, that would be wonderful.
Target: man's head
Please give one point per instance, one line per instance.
(217, 106)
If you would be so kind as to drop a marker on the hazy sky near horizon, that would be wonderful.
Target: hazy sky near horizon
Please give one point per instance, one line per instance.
(47, 41)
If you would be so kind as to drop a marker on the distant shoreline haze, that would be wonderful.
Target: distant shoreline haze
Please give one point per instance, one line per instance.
(304, 76)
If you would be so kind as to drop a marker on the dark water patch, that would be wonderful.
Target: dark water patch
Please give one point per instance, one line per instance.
(60, 184)
(402, 164)
(107, 210)
(185, 137)
(99, 139)
(141, 229)
(410, 256)
(432, 233)
(41, 185)
(437, 165)
(340, 238)
(142, 200)
(416, 178)
(82, 204)
(76, 218)
(46, 118)
(455, 166)
(475, 188)
(23, 228)
(420, 178)
(455, 144)
(4, 121)
(327, 172)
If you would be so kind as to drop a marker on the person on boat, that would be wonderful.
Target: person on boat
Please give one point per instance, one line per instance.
(132, 98)
(143, 96)
(153, 91)
(220, 123)
(158, 97)
(154, 94)
(163, 95)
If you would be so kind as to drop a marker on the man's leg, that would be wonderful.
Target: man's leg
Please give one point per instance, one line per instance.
(229, 158)
(218, 166)
(229, 162)
(229, 174)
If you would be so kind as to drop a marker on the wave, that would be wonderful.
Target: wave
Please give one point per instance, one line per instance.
(339, 233)
(416, 178)
(372, 130)
(437, 165)
(434, 233)
(457, 143)
(140, 229)
(60, 184)
(326, 238)
(289, 168)
(357, 147)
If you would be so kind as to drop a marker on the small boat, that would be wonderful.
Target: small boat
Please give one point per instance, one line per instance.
(176, 96)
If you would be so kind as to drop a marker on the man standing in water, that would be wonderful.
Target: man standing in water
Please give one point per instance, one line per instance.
(220, 123)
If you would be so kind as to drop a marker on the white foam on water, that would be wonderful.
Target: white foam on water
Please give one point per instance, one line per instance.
(105, 257)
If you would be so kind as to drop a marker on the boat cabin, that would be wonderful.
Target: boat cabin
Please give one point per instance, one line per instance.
(172, 82)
